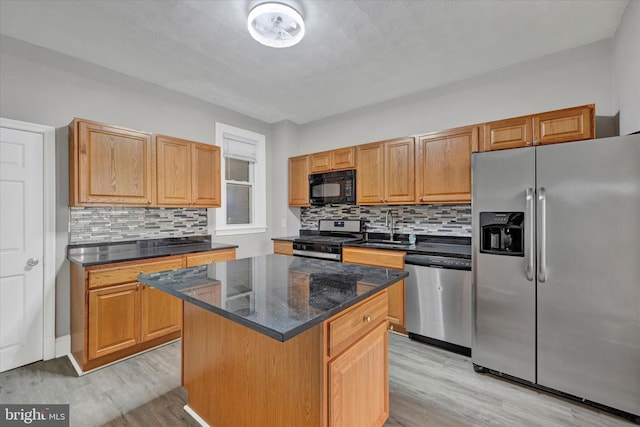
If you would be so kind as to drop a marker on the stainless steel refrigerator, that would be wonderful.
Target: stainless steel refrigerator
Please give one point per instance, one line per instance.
(556, 267)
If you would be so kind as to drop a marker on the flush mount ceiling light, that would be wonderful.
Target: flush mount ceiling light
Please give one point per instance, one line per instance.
(275, 25)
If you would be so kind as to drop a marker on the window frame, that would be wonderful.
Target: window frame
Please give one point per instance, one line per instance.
(258, 198)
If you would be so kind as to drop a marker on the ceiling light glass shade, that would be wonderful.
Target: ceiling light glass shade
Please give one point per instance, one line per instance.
(275, 25)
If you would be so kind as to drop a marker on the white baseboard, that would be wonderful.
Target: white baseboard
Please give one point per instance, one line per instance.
(195, 416)
(63, 346)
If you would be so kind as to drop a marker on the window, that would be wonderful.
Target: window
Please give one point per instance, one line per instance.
(243, 181)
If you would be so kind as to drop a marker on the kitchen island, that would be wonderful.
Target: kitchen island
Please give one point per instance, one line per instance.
(286, 341)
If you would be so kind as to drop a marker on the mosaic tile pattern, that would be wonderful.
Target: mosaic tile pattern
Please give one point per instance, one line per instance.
(114, 224)
(444, 220)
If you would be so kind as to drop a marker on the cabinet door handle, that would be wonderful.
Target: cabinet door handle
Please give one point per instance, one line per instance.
(213, 259)
(366, 318)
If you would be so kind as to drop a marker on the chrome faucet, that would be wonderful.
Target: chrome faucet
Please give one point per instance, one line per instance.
(389, 224)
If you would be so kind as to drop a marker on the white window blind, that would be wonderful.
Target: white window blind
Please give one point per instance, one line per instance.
(236, 148)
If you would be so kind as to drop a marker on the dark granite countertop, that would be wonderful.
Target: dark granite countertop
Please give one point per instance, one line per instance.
(90, 254)
(278, 295)
(286, 239)
(426, 245)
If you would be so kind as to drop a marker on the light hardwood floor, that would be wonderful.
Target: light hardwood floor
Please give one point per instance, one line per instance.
(428, 387)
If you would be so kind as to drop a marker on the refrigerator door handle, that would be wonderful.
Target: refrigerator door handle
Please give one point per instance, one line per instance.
(529, 216)
(542, 242)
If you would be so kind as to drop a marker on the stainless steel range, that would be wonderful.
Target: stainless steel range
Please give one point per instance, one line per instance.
(327, 242)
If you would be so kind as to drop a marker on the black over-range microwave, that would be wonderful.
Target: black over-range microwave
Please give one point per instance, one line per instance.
(332, 187)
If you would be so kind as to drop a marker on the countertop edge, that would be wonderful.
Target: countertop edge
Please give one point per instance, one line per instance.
(217, 247)
(281, 336)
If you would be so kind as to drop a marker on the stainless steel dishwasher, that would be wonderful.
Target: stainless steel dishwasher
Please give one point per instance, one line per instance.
(438, 297)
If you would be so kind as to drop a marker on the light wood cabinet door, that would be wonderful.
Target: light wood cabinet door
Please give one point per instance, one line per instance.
(110, 165)
(173, 163)
(386, 259)
(358, 382)
(370, 183)
(399, 171)
(114, 319)
(320, 162)
(188, 173)
(299, 181)
(161, 313)
(385, 172)
(343, 158)
(569, 124)
(396, 307)
(205, 175)
(509, 133)
(444, 165)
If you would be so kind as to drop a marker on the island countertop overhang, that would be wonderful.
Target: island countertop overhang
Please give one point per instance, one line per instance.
(277, 295)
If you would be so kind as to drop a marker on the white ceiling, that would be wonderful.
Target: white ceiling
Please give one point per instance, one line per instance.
(355, 53)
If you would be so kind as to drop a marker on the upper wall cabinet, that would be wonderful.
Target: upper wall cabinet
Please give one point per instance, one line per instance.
(343, 158)
(443, 165)
(109, 165)
(299, 181)
(385, 172)
(569, 124)
(188, 173)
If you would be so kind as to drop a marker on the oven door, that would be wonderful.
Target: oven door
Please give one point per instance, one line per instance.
(315, 250)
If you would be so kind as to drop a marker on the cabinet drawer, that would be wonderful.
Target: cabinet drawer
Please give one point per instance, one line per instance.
(351, 326)
(128, 274)
(374, 257)
(281, 247)
(211, 257)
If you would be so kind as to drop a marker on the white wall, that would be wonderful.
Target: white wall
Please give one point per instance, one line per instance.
(284, 136)
(627, 68)
(574, 77)
(42, 86)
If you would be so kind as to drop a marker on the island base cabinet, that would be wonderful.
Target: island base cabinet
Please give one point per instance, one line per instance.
(358, 382)
(236, 376)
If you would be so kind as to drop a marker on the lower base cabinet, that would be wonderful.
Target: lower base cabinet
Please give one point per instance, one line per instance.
(386, 259)
(282, 247)
(114, 319)
(335, 374)
(358, 382)
(114, 316)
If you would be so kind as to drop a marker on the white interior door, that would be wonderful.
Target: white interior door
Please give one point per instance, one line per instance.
(21, 247)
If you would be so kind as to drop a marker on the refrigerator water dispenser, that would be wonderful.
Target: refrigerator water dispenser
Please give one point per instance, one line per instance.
(502, 233)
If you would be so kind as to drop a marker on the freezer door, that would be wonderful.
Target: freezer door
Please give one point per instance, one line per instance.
(589, 302)
(504, 298)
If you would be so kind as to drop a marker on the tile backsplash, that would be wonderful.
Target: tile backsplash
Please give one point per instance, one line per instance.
(444, 220)
(115, 224)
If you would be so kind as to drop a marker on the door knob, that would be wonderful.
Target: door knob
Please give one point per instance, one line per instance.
(32, 262)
